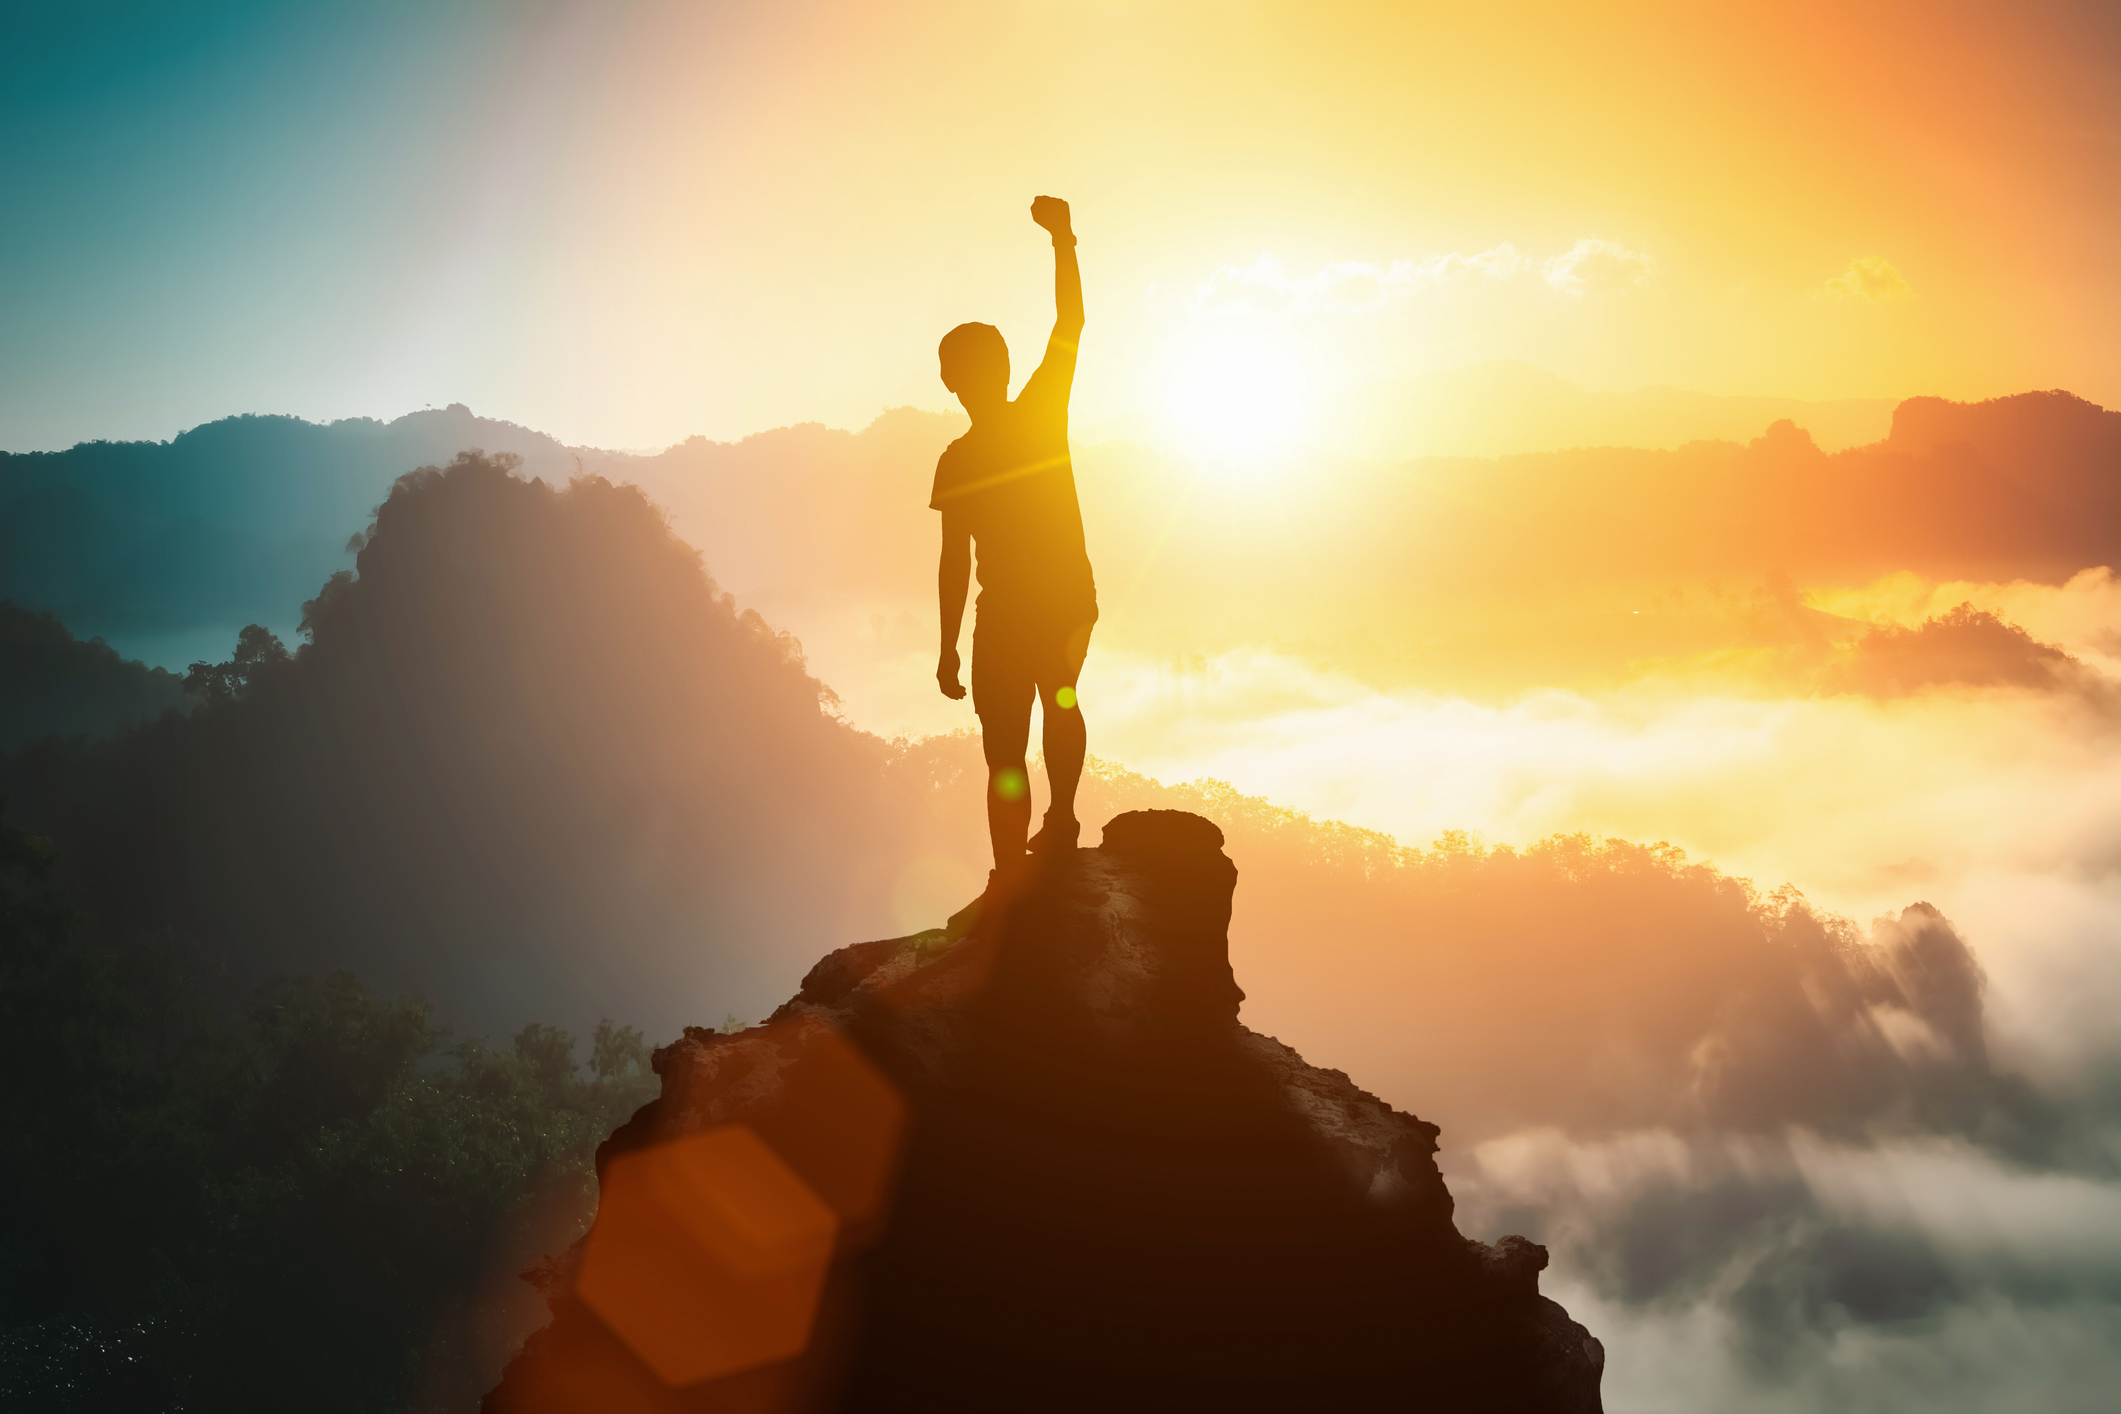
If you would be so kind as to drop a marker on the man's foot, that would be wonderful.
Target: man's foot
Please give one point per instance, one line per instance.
(1056, 837)
(967, 918)
(1003, 885)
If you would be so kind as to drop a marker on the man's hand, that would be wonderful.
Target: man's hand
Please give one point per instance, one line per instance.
(946, 675)
(1052, 213)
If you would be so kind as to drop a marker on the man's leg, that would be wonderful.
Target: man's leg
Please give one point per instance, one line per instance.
(1066, 741)
(1008, 791)
(1065, 737)
(1002, 691)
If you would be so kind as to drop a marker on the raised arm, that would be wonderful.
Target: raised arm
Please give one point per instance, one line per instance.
(1059, 365)
(1052, 213)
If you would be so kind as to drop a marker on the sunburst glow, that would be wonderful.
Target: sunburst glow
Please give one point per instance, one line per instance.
(1237, 397)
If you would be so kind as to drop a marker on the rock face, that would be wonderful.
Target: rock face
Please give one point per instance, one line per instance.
(1106, 1193)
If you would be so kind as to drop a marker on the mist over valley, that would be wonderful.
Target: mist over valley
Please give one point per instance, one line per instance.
(1564, 789)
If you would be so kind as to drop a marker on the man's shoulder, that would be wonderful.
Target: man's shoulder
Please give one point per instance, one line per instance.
(976, 443)
(957, 464)
(954, 454)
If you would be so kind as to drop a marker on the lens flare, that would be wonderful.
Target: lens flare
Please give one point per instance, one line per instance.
(708, 1256)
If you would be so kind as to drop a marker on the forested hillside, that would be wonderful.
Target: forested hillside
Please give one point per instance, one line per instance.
(57, 685)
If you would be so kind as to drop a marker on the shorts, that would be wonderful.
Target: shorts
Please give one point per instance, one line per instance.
(1015, 659)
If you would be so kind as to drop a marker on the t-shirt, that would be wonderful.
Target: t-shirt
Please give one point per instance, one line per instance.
(1011, 482)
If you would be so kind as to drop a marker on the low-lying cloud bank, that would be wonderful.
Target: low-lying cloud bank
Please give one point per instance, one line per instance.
(1785, 1162)
(1795, 1273)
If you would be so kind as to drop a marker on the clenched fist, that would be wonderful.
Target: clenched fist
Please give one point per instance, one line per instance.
(1052, 213)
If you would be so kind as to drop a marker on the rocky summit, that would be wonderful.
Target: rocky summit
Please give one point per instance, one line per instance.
(1033, 1161)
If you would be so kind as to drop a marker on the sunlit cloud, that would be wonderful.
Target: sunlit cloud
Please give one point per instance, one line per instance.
(1268, 286)
(1998, 805)
(1595, 266)
(1911, 1262)
(1871, 278)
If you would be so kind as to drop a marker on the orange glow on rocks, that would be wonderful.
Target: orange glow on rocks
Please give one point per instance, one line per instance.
(839, 1124)
(708, 1256)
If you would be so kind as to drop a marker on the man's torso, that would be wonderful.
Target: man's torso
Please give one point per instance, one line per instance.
(1010, 482)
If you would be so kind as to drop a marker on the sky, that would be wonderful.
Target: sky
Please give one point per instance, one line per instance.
(626, 225)
(629, 224)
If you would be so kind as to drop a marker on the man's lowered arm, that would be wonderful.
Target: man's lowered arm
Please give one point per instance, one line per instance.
(953, 576)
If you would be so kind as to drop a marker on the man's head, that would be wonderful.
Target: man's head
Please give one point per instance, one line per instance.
(976, 366)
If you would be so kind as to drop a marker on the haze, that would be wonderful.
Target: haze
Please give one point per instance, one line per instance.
(1614, 512)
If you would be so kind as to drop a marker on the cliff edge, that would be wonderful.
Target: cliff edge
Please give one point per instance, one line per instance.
(1033, 1161)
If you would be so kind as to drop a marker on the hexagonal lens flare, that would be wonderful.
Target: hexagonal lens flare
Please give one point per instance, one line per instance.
(708, 1255)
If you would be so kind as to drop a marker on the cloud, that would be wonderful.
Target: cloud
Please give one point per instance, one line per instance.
(1595, 266)
(1741, 1127)
(1267, 285)
(1869, 277)
(1498, 263)
(1902, 1272)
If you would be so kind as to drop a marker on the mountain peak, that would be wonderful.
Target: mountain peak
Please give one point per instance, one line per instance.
(1059, 1173)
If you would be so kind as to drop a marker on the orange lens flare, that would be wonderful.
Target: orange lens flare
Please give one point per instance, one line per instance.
(708, 1255)
(710, 1252)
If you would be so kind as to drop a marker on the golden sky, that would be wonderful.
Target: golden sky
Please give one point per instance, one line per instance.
(627, 224)
(1820, 201)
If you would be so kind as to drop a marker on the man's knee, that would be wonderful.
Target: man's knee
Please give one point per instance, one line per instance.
(1004, 743)
(1063, 714)
(1057, 676)
(1077, 647)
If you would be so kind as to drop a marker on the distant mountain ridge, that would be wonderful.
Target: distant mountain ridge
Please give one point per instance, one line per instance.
(165, 550)
(1505, 407)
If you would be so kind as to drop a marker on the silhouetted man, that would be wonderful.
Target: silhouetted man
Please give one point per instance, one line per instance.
(1008, 487)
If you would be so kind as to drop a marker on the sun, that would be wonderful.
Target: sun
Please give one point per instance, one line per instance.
(1237, 397)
